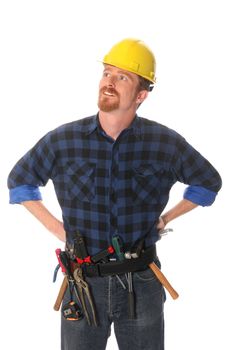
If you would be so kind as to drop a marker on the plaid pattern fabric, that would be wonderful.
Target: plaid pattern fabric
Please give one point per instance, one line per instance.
(105, 187)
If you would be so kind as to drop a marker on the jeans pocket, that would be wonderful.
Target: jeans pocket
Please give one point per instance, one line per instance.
(147, 279)
(145, 275)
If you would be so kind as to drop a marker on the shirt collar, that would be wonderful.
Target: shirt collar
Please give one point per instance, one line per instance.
(93, 124)
(135, 126)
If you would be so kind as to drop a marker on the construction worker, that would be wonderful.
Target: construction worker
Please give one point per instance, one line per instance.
(112, 173)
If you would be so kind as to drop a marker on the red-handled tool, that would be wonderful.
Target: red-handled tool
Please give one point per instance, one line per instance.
(58, 254)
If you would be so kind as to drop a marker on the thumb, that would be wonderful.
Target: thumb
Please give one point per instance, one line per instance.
(161, 224)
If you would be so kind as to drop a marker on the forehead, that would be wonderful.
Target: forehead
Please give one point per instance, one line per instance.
(116, 70)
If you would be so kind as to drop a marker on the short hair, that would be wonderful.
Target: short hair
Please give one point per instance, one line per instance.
(145, 84)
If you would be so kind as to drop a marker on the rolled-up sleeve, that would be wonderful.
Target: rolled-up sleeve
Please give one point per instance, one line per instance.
(193, 169)
(33, 170)
(200, 195)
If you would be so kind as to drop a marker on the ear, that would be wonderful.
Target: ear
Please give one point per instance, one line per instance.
(142, 95)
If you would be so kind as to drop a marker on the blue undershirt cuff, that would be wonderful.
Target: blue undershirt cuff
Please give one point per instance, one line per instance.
(24, 193)
(199, 195)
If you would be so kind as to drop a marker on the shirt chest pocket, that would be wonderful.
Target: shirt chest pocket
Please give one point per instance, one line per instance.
(80, 180)
(147, 183)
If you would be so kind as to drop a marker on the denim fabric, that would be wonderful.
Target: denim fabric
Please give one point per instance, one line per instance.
(146, 332)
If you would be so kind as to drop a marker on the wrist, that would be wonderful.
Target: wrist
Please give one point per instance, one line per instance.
(164, 219)
(56, 227)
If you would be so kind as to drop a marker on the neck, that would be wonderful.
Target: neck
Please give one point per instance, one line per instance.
(113, 123)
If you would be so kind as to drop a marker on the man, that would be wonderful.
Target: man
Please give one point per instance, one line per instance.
(112, 174)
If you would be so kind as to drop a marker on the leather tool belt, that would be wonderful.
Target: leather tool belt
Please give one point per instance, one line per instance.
(120, 267)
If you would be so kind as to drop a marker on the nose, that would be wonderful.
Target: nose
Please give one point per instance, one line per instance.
(111, 81)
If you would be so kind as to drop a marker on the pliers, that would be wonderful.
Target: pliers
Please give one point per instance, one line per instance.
(83, 287)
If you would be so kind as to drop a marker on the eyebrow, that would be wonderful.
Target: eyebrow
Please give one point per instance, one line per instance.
(125, 73)
(120, 72)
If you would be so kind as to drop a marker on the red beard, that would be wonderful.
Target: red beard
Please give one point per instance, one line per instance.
(108, 103)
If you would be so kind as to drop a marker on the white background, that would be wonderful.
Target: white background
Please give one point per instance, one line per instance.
(49, 76)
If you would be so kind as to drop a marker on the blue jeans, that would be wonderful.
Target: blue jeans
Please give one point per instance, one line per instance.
(111, 301)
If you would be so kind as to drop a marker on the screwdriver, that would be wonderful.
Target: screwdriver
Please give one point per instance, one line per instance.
(118, 246)
(131, 308)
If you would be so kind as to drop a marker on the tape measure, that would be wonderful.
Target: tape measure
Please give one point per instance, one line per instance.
(72, 312)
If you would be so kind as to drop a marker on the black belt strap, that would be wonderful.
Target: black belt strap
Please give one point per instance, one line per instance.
(120, 267)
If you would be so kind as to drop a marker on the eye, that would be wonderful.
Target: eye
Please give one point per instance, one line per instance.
(106, 74)
(123, 77)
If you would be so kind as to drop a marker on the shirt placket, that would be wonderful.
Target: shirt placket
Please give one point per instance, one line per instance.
(113, 186)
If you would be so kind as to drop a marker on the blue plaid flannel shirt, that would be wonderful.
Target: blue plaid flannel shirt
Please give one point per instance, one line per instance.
(106, 187)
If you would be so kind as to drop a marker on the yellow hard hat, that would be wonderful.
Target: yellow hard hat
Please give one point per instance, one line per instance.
(134, 56)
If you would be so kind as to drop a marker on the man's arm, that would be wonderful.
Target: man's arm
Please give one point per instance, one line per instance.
(33, 170)
(52, 224)
(184, 206)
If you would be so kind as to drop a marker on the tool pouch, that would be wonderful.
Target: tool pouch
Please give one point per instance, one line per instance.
(120, 267)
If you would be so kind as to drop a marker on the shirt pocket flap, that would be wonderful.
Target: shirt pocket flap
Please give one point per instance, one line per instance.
(148, 170)
(81, 180)
(146, 183)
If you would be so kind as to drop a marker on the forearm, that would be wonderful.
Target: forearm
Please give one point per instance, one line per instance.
(183, 207)
(37, 209)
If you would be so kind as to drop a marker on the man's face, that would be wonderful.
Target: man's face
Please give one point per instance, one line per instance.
(118, 89)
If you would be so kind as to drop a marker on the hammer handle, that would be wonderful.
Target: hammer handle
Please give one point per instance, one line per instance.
(61, 294)
(163, 280)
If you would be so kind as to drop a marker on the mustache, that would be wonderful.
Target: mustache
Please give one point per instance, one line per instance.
(110, 90)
